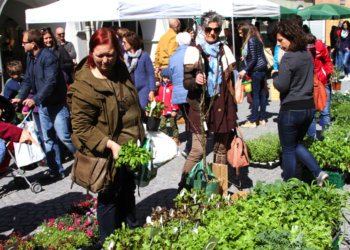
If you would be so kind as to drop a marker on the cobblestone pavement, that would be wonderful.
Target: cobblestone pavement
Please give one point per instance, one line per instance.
(21, 210)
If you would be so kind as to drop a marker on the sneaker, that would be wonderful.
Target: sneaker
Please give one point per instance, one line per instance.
(262, 123)
(185, 153)
(177, 141)
(48, 176)
(321, 178)
(248, 124)
(345, 79)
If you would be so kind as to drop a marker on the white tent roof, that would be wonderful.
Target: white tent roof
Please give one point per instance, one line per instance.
(107, 10)
(141, 9)
(255, 8)
(74, 11)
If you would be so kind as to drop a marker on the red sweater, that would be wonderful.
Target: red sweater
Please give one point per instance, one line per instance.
(10, 132)
(165, 94)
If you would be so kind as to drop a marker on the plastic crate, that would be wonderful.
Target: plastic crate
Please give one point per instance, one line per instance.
(336, 178)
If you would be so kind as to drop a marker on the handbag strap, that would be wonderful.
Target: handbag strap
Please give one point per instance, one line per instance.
(240, 132)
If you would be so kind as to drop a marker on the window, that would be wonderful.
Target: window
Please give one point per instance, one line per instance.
(342, 2)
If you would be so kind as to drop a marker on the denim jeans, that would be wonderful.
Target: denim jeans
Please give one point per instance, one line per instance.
(343, 58)
(185, 107)
(325, 114)
(55, 123)
(117, 205)
(38, 125)
(258, 95)
(292, 127)
(338, 61)
(2, 150)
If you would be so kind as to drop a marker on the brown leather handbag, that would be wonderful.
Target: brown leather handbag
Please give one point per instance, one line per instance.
(237, 155)
(320, 94)
(93, 174)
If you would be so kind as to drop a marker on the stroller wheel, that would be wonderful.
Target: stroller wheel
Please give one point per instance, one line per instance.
(36, 187)
(20, 181)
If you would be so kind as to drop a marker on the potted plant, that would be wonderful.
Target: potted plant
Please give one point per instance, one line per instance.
(132, 156)
(335, 79)
(265, 151)
(155, 110)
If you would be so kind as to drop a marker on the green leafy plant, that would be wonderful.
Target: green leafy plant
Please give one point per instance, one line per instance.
(291, 215)
(338, 96)
(132, 155)
(340, 110)
(157, 111)
(335, 75)
(265, 148)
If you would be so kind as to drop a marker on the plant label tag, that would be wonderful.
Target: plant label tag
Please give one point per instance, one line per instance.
(110, 245)
(205, 126)
(171, 212)
(175, 230)
(185, 206)
(182, 192)
(181, 224)
(158, 208)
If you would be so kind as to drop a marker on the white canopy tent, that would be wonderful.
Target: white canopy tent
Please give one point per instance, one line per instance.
(107, 10)
(142, 10)
(74, 11)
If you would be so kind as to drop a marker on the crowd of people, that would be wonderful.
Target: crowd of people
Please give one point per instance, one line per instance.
(102, 106)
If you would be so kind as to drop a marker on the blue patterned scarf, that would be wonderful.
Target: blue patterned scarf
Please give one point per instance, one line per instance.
(212, 51)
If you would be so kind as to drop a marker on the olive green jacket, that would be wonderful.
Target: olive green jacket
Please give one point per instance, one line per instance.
(95, 112)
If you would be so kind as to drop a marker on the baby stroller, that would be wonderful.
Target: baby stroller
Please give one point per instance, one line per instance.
(18, 171)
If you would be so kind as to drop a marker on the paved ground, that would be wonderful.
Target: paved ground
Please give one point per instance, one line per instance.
(21, 210)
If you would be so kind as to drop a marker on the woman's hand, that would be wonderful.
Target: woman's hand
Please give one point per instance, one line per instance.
(24, 113)
(201, 79)
(151, 95)
(242, 58)
(115, 147)
(332, 50)
(241, 74)
(274, 71)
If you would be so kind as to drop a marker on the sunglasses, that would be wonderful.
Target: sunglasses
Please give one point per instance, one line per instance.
(60, 34)
(209, 29)
(45, 29)
(25, 42)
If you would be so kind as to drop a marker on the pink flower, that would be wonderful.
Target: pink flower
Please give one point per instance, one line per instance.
(88, 222)
(89, 232)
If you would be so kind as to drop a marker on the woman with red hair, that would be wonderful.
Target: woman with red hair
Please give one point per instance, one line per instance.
(105, 115)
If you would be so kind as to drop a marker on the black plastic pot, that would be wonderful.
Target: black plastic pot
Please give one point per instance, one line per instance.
(153, 123)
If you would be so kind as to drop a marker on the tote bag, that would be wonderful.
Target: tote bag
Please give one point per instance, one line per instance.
(27, 154)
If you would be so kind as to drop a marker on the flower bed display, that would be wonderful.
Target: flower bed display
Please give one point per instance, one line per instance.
(272, 216)
(78, 228)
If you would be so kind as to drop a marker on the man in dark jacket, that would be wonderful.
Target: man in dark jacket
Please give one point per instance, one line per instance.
(45, 79)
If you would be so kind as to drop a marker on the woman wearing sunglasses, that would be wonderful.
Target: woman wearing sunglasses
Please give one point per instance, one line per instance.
(255, 67)
(63, 56)
(214, 73)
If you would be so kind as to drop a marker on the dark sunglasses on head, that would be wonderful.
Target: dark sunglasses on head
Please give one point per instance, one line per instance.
(209, 29)
(45, 29)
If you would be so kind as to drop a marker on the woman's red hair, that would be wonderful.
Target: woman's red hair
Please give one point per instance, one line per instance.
(100, 37)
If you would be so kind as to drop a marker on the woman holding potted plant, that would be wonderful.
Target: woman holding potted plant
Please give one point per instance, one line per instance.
(295, 82)
(212, 75)
(105, 115)
(323, 70)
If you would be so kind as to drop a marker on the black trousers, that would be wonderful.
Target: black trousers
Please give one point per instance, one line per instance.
(117, 205)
